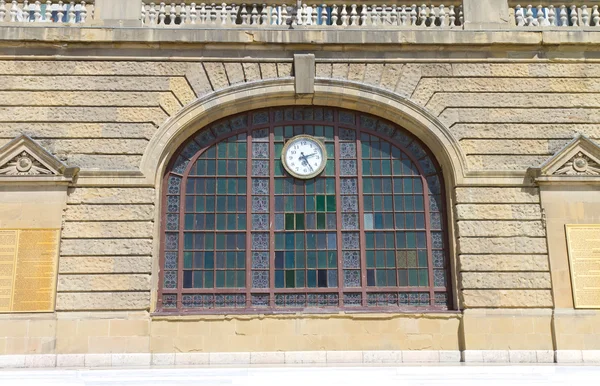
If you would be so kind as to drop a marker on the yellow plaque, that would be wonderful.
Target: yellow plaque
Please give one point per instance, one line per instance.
(28, 265)
(583, 243)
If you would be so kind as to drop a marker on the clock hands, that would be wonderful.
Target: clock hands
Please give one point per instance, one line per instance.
(305, 157)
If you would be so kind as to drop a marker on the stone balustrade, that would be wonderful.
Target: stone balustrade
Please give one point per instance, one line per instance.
(556, 14)
(356, 14)
(72, 12)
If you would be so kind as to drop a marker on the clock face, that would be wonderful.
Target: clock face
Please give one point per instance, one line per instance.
(304, 157)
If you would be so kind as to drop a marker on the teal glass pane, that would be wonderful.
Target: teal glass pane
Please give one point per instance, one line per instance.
(386, 167)
(278, 131)
(331, 207)
(289, 203)
(209, 280)
(407, 185)
(403, 278)
(240, 260)
(289, 131)
(411, 241)
(290, 279)
(230, 260)
(300, 259)
(368, 203)
(200, 204)
(222, 168)
(232, 204)
(211, 167)
(210, 204)
(331, 259)
(230, 279)
(231, 150)
(279, 279)
(240, 279)
(278, 150)
(322, 259)
(381, 277)
(209, 242)
(370, 240)
(222, 150)
(422, 256)
(289, 241)
(329, 132)
(423, 277)
(310, 186)
(279, 185)
(221, 221)
(187, 260)
(300, 279)
(380, 259)
(376, 167)
(311, 259)
(310, 204)
(330, 186)
(189, 221)
(209, 260)
(390, 259)
(211, 152)
(389, 240)
(242, 150)
(388, 203)
(330, 168)
(279, 170)
(290, 260)
(300, 221)
(279, 240)
(311, 241)
(367, 185)
(231, 185)
(220, 279)
(221, 203)
(330, 147)
(396, 167)
(311, 279)
(366, 150)
(188, 240)
(375, 149)
(221, 241)
(319, 131)
(198, 279)
(391, 277)
(289, 221)
(370, 259)
(299, 241)
(413, 278)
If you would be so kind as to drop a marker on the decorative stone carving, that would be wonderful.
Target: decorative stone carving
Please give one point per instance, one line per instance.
(580, 165)
(24, 165)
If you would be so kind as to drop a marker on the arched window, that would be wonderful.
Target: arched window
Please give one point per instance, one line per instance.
(240, 233)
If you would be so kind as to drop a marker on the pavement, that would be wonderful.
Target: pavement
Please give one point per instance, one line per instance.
(460, 374)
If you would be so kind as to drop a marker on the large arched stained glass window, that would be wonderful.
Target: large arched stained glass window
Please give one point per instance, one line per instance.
(240, 233)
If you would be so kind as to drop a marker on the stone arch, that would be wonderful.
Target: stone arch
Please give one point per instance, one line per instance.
(328, 92)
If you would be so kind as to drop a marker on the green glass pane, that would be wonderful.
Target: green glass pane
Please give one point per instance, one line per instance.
(310, 186)
(300, 279)
(279, 240)
(423, 278)
(331, 259)
(300, 241)
(311, 259)
(330, 168)
(279, 185)
(410, 240)
(370, 240)
(221, 222)
(380, 259)
(386, 167)
(311, 279)
(330, 147)
(310, 204)
(230, 260)
(300, 259)
(389, 239)
(300, 221)
(278, 131)
(289, 221)
(390, 259)
(368, 202)
(329, 132)
(210, 204)
(376, 168)
(231, 222)
(367, 184)
(322, 259)
(289, 241)
(241, 222)
(366, 150)
(279, 170)
(330, 183)
(187, 260)
(241, 260)
(222, 150)
(290, 259)
(209, 280)
(240, 279)
(319, 131)
(209, 260)
(419, 203)
(321, 221)
(422, 256)
(242, 150)
(198, 279)
(290, 279)
(289, 203)
(188, 240)
(413, 279)
(230, 279)
(381, 278)
(289, 131)
(278, 150)
(232, 203)
(189, 221)
(220, 279)
(370, 259)
(221, 241)
(331, 207)
(377, 203)
(320, 203)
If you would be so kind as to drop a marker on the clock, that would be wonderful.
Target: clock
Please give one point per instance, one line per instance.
(304, 157)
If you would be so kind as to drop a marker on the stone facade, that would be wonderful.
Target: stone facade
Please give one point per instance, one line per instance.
(116, 102)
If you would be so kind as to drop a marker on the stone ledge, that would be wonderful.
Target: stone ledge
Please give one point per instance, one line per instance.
(508, 356)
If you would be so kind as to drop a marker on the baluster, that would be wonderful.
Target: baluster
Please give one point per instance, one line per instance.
(2, 10)
(344, 15)
(541, 18)
(403, 16)
(529, 16)
(233, 10)
(394, 15)
(244, 14)
(202, 14)
(304, 20)
(183, 14)
(585, 16)
(452, 17)
(432, 16)
(334, 15)
(48, 16)
(423, 16)
(284, 15)
(263, 15)
(60, 12)
(193, 13)
(26, 11)
(313, 15)
(13, 11)
(442, 16)
(574, 16)
(37, 12)
(551, 15)
(152, 14)
(254, 15)
(172, 13)
(272, 16)
(363, 15)
(413, 15)
(213, 14)
(385, 15)
(353, 15)
(595, 16)
(564, 21)
(143, 13)
(324, 15)
(223, 14)
(162, 13)
(461, 15)
(519, 16)
(72, 14)
(374, 15)
(83, 13)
